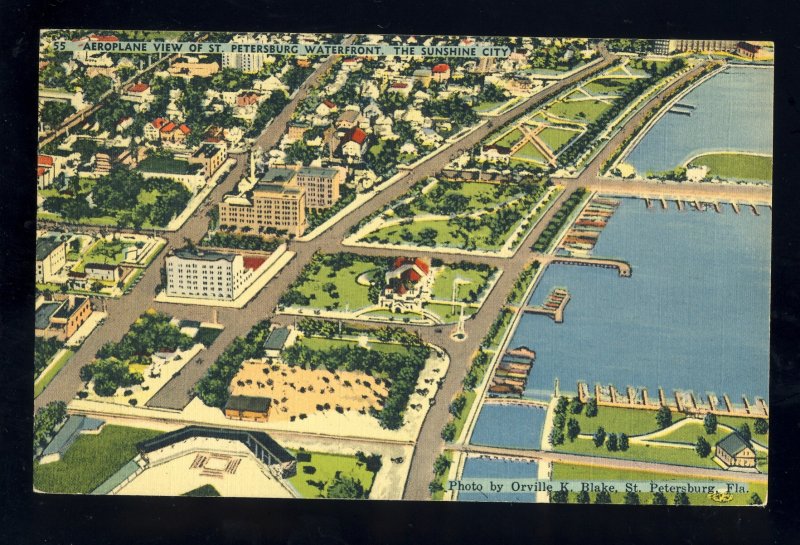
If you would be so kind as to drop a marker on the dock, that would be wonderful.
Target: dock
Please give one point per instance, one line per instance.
(735, 207)
(623, 267)
(554, 305)
(755, 210)
(680, 204)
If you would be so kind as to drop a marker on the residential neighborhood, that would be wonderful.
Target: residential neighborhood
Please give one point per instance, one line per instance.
(412, 262)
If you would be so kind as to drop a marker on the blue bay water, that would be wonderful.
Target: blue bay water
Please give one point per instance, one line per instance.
(494, 426)
(694, 315)
(483, 468)
(733, 113)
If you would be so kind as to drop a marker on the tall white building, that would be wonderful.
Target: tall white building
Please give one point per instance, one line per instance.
(206, 275)
(250, 63)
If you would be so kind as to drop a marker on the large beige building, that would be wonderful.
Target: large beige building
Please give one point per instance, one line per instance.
(665, 47)
(281, 206)
(51, 256)
(206, 275)
(320, 184)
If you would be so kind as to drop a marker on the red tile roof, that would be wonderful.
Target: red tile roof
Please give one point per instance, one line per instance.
(159, 122)
(184, 129)
(45, 160)
(138, 88)
(440, 68)
(40, 172)
(253, 262)
(103, 38)
(357, 135)
(329, 104)
(169, 127)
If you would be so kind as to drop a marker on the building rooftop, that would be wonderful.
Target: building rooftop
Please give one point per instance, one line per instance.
(248, 403)
(278, 175)
(207, 149)
(68, 306)
(318, 171)
(733, 444)
(276, 188)
(44, 312)
(277, 338)
(188, 253)
(45, 247)
(69, 433)
(101, 266)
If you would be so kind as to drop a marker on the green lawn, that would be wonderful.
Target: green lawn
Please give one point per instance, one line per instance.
(42, 381)
(529, 152)
(320, 343)
(325, 467)
(90, 460)
(443, 283)
(104, 251)
(397, 316)
(445, 312)
(557, 138)
(736, 166)
(607, 86)
(486, 106)
(437, 496)
(510, 138)
(205, 491)
(462, 418)
(582, 110)
(621, 420)
(481, 195)
(736, 421)
(351, 293)
(685, 456)
(578, 472)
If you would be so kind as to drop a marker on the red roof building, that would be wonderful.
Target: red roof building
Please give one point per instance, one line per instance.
(441, 69)
(138, 88)
(169, 127)
(44, 160)
(355, 135)
(159, 122)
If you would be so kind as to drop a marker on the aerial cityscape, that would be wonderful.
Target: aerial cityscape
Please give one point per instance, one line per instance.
(449, 268)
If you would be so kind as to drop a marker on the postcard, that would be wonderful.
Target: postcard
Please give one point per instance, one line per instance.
(448, 268)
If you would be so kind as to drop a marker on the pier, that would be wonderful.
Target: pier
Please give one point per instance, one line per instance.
(648, 202)
(755, 210)
(735, 206)
(680, 205)
(681, 401)
(553, 306)
(716, 207)
(623, 267)
(664, 203)
(519, 401)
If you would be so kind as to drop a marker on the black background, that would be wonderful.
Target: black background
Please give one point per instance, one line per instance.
(26, 518)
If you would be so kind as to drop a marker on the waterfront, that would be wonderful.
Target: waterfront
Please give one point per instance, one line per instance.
(694, 315)
(492, 426)
(732, 112)
(480, 468)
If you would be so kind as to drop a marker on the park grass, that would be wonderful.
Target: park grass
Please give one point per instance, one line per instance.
(396, 316)
(442, 288)
(324, 344)
(486, 106)
(445, 234)
(350, 292)
(557, 138)
(583, 110)
(326, 466)
(736, 166)
(734, 422)
(529, 152)
(510, 138)
(90, 460)
(606, 86)
(104, 251)
(568, 472)
(666, 454)
(446, 314)
(621, 420)
(461, 420)
(44, 379)
(439, 494)
(481, 195)
(205, 491)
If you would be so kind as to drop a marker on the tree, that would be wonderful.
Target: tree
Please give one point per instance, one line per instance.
(458, 404)
(755, 499)
(449, 431)
(663, 417)
(591, 407)
(602, 497)
(710, 423)
(441, 464)
(575, 405)
(583, 497)
(54, 113)
(434, 487)
(623, 441)
(573, 429)
(681, 498)
(559, 496)
(557, 436)
(761, 426)
(744, 432)
(631, 498)
(659, 499)
(599, 437)
(702, 447)
(611, 442)
(344, 487)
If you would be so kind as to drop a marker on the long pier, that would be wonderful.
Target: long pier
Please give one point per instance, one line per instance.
(623, 267)
(556, 313)
(682, 401)
(519, 401)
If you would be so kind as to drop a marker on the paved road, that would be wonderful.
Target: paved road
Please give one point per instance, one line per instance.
(615, 463)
